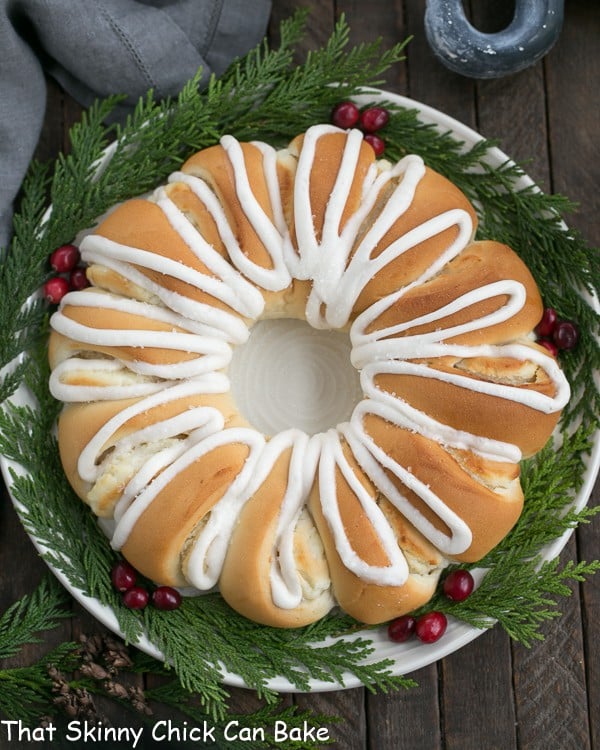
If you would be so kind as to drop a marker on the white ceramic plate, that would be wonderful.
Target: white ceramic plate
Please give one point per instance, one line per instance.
(406, 657)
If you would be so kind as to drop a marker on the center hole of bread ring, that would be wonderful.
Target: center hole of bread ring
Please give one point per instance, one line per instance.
(291, 375)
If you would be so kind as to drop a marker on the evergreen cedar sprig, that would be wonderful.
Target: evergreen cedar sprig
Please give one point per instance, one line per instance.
(257, 653)
(42, 610)
(75, 680)
(266, 96)
(519, 595)
(24, 691)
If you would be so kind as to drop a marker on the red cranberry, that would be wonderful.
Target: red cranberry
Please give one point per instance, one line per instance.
(64, 258)
(458, 585)
(55, 289)
(547, 324)
(376, 142)
(78, 279)
(401, 629)
(136, 597)
(566, 335)
(345, 115)
(373, 119)
(123, 576)
(165, 597)
(550, 346)
(431, 627)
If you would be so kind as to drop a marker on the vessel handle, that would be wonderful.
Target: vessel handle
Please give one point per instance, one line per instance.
(535, 27)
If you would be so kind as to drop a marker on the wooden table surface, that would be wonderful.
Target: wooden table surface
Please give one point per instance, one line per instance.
(492, 693)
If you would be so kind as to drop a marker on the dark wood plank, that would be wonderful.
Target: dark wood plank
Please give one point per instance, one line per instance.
(588, 540)
(512, 109)
(477, 695)
(550, 682)
(573, 72)
(319, 25)
(573, 113)
(408, 720)
(350, 731)
(383, 20)
(21, 571)
(51, 140)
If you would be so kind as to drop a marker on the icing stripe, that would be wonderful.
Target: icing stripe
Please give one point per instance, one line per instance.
(332, 458)
(375, 462)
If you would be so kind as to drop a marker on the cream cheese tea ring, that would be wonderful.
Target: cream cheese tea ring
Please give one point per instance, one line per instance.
(365, 514)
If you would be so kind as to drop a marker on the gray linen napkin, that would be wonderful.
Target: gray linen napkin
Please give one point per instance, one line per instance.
(99, 47)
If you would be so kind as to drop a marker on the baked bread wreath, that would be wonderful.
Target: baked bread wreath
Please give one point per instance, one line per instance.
(368, 513)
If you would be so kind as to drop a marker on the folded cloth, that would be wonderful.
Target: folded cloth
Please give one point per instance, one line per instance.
(99, 47)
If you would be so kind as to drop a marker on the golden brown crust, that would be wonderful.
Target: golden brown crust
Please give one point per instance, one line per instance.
(141, 224)
(328, 157)
(197, 214)
(480, 414)
(369, 602)
(479, 264)
(159, 537)
(117, 320)
(485, 494)
(433, 196)
(109, 280)
(79, 423)
(245, 582)
(213, 165)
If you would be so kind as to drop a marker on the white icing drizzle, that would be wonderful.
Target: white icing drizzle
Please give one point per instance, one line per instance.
(69, 369)
(214, 322)
(395, 572)
(188, 421)
(285, 585)
(272, 180)
(339, 266)
(402, 414)
(231, 287)
(133, 387)
(206, 559)
(367, 347)
(213, 354)
(375, 461)
(271, 235)
(208, 552)
(339, 275)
